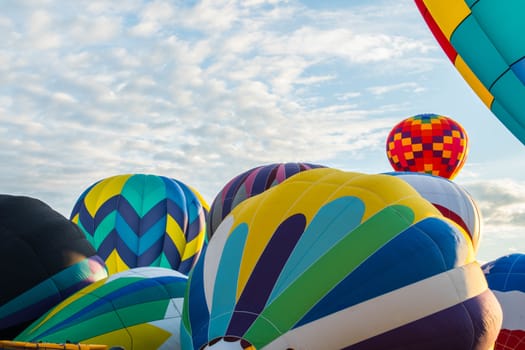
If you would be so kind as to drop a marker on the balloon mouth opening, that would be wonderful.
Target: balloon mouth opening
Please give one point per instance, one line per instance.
(229, 342)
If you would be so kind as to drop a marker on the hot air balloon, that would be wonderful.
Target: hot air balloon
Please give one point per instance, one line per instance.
(139, 308)
(336, 260)
(506, 279)
(483, 39)
(249, 184)
(44, 258)
(428, 143)
(205, 208)
(136, 220)
(453, 201)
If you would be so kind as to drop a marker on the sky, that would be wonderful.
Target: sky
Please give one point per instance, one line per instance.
(202, 91)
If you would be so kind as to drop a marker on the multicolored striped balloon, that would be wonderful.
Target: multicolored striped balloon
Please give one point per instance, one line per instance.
(44, 258)
(136, 309)
(506, 279)
(484, 41)
(428, 143)
(248, 184)
(139, 220)
(452, 200)
(336, 260)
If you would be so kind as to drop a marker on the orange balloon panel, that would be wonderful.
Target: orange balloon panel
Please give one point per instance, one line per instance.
(428, 143)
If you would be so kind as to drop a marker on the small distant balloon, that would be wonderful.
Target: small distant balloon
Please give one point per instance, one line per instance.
(248, 184)
(136, 220)
(506, 279)
(428, 143)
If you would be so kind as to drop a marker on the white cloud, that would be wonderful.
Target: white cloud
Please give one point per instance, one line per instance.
(40, 31)
(314, 79)
(77, 60)
(348, 95)
(203, 92)
(502, 206)
(63, 97)
(211, 15)
(94, 30)
(343, 43)
(408, 86)
(248, 3)
(158, 11)
(502, 202)
(104, 8)
(39, 22)
(145, 28)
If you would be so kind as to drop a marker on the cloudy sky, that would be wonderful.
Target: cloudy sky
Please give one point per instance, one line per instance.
(203, 90)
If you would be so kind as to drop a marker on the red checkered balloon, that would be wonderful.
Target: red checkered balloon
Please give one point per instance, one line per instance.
(428, 143)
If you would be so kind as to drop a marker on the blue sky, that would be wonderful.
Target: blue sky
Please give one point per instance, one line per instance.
(203, 90)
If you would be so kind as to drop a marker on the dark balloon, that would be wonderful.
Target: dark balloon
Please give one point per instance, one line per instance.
(44, 258)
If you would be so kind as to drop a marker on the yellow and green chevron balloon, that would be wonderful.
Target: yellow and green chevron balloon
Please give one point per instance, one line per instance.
(136, 220)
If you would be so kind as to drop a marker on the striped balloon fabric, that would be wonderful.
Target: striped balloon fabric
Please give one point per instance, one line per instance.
(136, 309)
(39, 299)
(248, 184)
(337, 260)
(506, 278)
(484, 41)
(450, 199)
(136, 220)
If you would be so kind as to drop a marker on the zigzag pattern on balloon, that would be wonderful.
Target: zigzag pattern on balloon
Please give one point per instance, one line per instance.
(145, 245)
(142, 220)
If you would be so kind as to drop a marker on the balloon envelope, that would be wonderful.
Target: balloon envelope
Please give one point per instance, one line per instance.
(139, 220)
(139, 308)
(506, 278)
(428, 143)
(483, 39)
(450, 199)
(248, 184)
(44, 258)
(324, 261)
